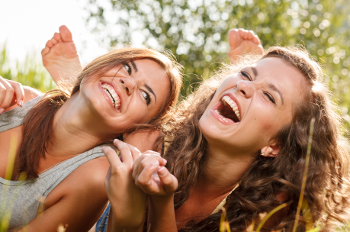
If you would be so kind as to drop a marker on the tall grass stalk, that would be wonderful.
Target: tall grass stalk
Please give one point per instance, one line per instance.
(270, 214)
(306, 169)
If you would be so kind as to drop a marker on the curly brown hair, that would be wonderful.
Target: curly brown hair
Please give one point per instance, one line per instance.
(38, 121)
(267, 179)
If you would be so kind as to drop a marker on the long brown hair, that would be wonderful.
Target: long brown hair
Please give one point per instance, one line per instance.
(38, 122)
(267, 179)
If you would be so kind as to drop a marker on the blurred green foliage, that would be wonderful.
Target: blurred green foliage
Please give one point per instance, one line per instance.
(30, 72)
(196, 32)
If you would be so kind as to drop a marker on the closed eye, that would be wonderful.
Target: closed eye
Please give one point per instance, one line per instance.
(270, 97)
(246, 75)
(146, 96)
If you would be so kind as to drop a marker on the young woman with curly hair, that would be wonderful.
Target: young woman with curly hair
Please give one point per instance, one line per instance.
(240, 142)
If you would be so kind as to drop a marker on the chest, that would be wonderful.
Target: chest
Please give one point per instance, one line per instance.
(196, 208)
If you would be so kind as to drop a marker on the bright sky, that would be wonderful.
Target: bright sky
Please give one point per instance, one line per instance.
(26, 25)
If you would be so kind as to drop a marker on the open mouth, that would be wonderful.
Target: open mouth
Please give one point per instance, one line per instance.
(228, 110)
(112, 94)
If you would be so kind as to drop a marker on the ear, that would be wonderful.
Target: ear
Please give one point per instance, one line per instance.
(270, 150)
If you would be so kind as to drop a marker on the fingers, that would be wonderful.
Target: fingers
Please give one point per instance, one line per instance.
(125, 153)
(19, 91)
(7, 93)
(112, 156)
(128, 151)
(144, 160)
(144, 180)
(169, 181)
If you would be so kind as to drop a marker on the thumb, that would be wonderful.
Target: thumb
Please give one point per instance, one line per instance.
(168, 181)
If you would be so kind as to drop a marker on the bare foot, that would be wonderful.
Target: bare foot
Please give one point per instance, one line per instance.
(243, 42)
(60, 57)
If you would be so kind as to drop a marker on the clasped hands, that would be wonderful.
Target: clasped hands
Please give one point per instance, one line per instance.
(131, 177)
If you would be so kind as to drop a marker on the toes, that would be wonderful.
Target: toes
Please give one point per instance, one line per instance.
(250, 35)
(57, 36)
(233, 38)
(54, 40)
(66, 34)
(45, 51)
(49, 44)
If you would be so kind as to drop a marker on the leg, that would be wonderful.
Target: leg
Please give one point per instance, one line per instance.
(60, 57)
(242, 42)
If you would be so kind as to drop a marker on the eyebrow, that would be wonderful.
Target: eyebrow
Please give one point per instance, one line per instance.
(273, 87)
(150, 89)
(133, 65)
(255, 71)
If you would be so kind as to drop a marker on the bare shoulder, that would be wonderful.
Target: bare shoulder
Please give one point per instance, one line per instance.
(30, 93)
(90, 175)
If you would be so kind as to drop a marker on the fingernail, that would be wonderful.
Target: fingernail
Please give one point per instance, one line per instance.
(155, 163)
(116, 140)
(162, 171)
(2, 110)
(165, 161)
(20, 103)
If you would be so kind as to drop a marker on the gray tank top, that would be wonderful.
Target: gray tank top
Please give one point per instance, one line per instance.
(19, 199)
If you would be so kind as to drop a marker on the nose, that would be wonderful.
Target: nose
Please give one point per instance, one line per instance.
(128, 84)
(245, 88)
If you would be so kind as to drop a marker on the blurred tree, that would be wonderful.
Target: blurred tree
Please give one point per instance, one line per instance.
(30, 72)
(196, 31)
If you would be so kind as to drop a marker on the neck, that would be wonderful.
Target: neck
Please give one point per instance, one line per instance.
(223, 169)
(72, 130)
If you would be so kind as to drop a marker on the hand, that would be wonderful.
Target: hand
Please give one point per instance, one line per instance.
(243, 42)
(144, 139)
(11, 92)
(127, 200)
(151, 175)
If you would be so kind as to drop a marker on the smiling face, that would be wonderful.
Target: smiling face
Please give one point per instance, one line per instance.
(128, 94)
(250, 107)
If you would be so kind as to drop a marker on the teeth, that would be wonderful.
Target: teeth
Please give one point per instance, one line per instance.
(112, 94)
(221, 116)
(228, 100)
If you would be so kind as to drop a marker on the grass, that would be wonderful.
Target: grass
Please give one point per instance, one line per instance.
(32, 73)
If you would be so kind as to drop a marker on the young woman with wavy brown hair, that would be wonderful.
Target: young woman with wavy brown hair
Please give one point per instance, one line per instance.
(240, 142)
(59, 135)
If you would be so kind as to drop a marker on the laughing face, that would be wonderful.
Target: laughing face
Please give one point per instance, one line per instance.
(128, 94)
(250, 107)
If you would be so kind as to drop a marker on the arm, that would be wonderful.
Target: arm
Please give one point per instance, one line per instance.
(77, 202)
(161, 187)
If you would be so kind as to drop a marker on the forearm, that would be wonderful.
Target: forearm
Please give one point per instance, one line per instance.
(116, 225)
(162, 214)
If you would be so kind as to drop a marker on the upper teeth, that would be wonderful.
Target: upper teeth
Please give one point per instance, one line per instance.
(112, 94)
(228, 100)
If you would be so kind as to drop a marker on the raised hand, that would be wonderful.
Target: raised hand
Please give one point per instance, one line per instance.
(128, 201)
(243, 42)
(151, 175)
(11, 93)
(60, 57)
